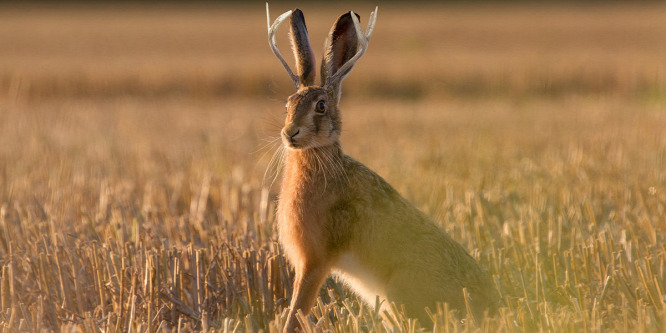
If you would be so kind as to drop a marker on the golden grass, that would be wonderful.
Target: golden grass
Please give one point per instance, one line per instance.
(132, 195)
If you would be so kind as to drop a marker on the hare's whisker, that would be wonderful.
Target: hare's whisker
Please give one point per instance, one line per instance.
(271, 165)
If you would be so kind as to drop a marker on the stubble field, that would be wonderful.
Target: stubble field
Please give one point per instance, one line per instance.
(135, 141)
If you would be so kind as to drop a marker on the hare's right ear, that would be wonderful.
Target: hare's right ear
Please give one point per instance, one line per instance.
(299, 40)
(345, 44)
(305, 60)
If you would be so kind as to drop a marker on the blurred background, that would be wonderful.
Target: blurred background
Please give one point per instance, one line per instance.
(138, 143)
(422, 49)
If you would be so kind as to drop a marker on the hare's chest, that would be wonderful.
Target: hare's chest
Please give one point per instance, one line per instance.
(301, 231)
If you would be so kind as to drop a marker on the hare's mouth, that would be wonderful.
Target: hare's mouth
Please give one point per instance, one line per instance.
(296, 145)
(293, 144)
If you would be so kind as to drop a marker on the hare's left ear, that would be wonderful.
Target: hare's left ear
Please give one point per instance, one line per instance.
(340, 46)
(305, 60)
(346, 43)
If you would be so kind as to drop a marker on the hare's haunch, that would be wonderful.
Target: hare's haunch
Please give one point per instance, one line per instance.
(337, 216)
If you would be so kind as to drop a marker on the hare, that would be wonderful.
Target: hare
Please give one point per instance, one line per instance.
(337, 216)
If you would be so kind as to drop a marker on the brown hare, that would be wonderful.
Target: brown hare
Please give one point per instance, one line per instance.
(337, 216)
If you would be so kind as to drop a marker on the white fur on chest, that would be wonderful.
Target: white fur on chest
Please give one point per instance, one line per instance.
(360, 279)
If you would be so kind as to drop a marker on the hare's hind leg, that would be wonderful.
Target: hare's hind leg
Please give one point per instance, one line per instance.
(416, 291)
(306, 287)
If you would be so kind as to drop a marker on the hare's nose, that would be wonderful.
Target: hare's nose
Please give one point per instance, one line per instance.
(291, 133)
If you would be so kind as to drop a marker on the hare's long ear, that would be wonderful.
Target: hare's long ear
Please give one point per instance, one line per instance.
(346, 44)
(340, 46)
(305, 60)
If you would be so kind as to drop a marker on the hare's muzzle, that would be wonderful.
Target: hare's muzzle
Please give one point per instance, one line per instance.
(289, 136)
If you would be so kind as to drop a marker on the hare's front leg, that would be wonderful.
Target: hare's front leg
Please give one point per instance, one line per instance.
(306, 287)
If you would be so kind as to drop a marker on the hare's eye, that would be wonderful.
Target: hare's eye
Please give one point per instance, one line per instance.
(321, 107)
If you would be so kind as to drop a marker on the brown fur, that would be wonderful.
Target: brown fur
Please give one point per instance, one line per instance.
(337, 216)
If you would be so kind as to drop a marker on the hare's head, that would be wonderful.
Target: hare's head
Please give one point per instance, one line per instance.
(313, 119)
